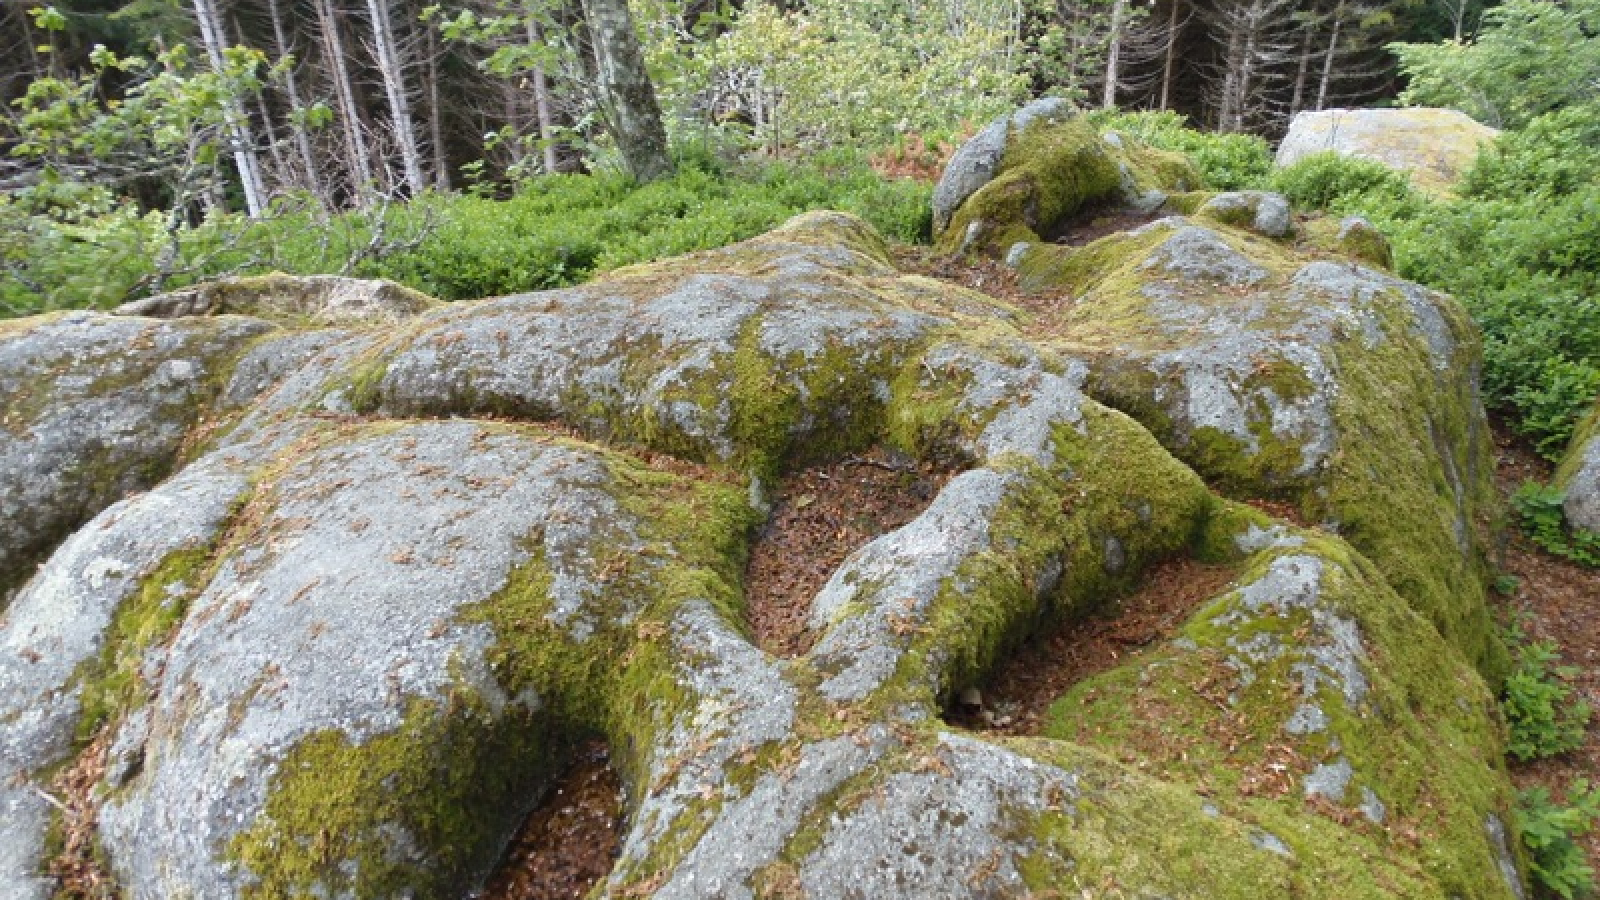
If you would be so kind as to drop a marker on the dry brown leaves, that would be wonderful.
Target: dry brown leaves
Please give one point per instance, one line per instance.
(820, 516)
(571, 841)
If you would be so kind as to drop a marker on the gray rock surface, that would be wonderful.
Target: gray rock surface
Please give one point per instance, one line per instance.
(1434, 146)
(95, 409)
(344, 649)
(1578, 476)
(1263, 212)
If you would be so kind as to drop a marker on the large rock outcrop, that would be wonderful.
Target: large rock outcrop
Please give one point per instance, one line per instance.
(1434, 146)
(399, 571)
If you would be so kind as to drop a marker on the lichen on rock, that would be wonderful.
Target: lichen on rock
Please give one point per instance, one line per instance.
(403, 569)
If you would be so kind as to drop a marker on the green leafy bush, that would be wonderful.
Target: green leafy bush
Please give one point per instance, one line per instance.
(1550, 831)
(1228, 162)
(1543, 717)
(1540, 508)
(1329, 181)
(557, 230)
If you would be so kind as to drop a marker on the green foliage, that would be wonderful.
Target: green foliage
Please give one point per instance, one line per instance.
(1540, 508)
(1543, 717)
(1331, 182)
(1550, 830)
(862, 72)
(556, 231)
(1532, 57)
(1228, 162)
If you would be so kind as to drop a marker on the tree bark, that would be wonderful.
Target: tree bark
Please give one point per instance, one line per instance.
(345, 96)
(627, 95)
(394, 85)
(1108, 99)
(541, 103)
(297, 109)
(1327, 61)
(1172, 56)
(237, 121)
(441, 161)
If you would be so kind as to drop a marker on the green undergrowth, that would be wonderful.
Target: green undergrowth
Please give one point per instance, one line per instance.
(1550, 831)
(1542, 715)
(1541, 508)
(555, 231)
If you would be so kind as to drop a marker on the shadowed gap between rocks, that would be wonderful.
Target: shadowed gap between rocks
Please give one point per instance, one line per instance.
(820, 516)
(571, 839)
(1016, 696)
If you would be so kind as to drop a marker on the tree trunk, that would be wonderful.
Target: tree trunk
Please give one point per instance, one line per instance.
(1172, 56)
(238, 123)
(297, 109)
(1108, 99)
(345, 96)
(627, 95)
(394, 85)
(541, 103)
(1327, 61)
(441, 161)
(1303, 71)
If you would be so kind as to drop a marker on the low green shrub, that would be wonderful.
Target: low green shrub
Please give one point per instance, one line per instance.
(1228, 162)
(555, 231)
(1328, 181)
(1539, 507)
(1550, 831)
(1543, 717)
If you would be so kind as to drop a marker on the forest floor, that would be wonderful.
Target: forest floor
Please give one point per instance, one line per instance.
(1558, 601)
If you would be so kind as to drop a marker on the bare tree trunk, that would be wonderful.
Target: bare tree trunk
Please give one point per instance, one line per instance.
(541, 103)
(626, 92)
(1172, 56)
(1327, 60)
(1231, 93)
(345, 97)
(394, 85)
(1302, 72)
(297, 109)
(1108, 100)
(441, 162)
(238, 122)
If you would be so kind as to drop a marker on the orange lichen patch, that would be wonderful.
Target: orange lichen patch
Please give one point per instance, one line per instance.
(819, 517)
(1018, 695)
(571, 840)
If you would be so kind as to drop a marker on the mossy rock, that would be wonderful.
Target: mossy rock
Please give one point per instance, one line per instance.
(402, 571)
(1332, 387)
(313, 299)
(1029, 173)
(1578, 475)
(1351, 237)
